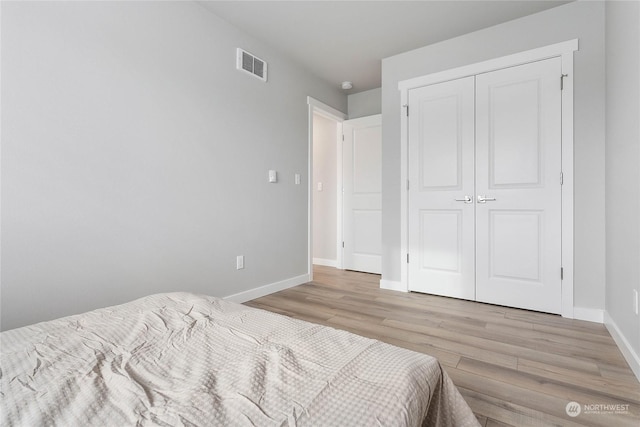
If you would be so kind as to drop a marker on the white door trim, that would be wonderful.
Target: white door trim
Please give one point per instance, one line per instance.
(331, 113)
(564, 50)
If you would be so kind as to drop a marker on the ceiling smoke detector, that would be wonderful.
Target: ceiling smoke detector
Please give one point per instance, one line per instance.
(347, 85)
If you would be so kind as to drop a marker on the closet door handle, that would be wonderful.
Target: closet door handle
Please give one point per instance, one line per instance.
(483, 199)
(467, 199)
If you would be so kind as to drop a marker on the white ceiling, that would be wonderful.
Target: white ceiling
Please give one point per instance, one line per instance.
(346, 40)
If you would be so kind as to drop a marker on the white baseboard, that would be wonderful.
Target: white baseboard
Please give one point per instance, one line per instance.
(392, 285)
(628, 352)
(588, 314)
(325, 262)
(268, 289)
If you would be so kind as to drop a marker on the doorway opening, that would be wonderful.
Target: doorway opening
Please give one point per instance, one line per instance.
(324, 185)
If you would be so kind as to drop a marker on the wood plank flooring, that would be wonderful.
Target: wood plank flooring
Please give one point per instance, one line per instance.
(514, 367)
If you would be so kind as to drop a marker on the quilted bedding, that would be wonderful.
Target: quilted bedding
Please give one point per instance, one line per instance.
(180, 359)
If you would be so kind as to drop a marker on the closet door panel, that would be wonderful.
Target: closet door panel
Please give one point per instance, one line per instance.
(441, 176)
(518, 191)
(515, 153)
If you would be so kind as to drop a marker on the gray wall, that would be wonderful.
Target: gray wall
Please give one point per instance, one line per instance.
(325, 133)
(583, 20)
(367, 103)
(622, 160)
(135, 157)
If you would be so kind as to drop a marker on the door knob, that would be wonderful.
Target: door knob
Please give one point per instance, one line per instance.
(483, 199)
(466, 199)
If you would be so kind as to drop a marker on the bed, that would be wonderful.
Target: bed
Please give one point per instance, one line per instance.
(180, 359)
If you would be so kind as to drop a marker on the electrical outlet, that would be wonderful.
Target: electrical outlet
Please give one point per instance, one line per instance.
(635, 301)
(239, 262)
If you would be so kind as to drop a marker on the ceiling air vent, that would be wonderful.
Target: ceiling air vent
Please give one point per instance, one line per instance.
(251, 64)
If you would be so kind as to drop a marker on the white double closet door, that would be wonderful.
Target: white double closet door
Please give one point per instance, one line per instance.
(485, 187)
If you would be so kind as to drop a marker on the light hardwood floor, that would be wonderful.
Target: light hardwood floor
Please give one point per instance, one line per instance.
(514, 367)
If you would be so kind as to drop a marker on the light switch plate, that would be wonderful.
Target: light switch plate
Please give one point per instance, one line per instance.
(273, 176)
(297, 178)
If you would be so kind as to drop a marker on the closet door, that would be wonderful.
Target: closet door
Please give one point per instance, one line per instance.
(441, 190)
(518, 188)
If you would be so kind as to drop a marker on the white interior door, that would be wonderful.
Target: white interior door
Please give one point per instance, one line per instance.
(441, 189)
(362, 199)
(484, 201)
(518, 171)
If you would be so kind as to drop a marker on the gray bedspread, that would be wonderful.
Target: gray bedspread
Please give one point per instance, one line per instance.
(180, 359)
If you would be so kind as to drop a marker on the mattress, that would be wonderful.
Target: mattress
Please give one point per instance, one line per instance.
(180, 359)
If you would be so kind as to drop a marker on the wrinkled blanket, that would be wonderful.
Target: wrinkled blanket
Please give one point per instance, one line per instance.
(180, 359)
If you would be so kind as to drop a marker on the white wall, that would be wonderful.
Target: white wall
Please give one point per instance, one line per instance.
(623, 175)
(583, 20)
(325, 132)
(135, 157)
(367, 103)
